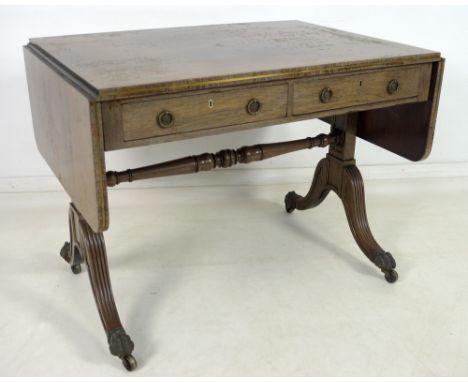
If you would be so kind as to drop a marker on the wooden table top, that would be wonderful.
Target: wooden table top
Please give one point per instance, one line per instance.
(133, 63)
(96, 92)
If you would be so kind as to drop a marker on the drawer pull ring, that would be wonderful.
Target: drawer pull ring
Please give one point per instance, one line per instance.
(165, 119)
(392, 86)
(326, 95)
(253, 106)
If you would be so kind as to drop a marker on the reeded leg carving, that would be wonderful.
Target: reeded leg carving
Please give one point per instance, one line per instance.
(346, 181)
(89, 246)
(352, 196)
(317, 193)
(338, 172)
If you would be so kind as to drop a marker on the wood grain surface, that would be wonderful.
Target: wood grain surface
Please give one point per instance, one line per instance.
(96, 92)
(406, 130)
(361, 88)
(134, 122)
(132, 63)
(202, 111)
(69, 137)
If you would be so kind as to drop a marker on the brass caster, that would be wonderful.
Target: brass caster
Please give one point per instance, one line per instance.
(129, 362)
(76, 269)
(391, 275)
(290, 201)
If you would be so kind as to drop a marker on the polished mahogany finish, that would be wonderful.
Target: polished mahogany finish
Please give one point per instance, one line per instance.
(223, 158)
(108, 91)
(87, 246)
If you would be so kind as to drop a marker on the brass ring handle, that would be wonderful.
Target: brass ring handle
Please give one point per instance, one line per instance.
(392, 86)
(253, 106)
(325, 95)
(165, 119)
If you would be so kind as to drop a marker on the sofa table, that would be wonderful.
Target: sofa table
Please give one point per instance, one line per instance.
(108, 91)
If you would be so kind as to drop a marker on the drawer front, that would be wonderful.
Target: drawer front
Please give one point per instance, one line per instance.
(411, 83)
(165, 116)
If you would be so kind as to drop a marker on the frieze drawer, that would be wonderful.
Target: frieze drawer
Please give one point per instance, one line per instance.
(410, 83)
(159, 116)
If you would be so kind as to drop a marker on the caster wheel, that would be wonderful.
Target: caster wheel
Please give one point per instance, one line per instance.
(391, 276)
(290, 202)
(129, 362)
(76, 269)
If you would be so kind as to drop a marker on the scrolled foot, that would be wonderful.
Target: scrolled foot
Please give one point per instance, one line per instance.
(67, 255)
(120, 343)
(290, 201)
(384, 260)
(317, 193)
(65, 252)
(387, 264)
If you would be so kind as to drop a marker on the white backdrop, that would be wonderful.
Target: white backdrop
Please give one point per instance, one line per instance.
(437, 28)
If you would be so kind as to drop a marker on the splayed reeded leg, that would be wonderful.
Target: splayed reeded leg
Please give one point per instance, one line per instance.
(89, 246)
(317, 193)
(338, 172)
(352, 196)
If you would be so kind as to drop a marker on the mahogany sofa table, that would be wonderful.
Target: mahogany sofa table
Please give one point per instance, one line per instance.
(100, 92)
